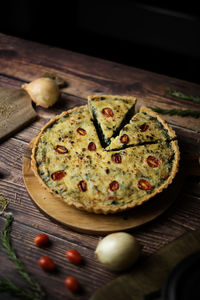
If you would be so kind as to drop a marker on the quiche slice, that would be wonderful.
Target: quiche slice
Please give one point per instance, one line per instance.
(70, 162)
(145, 127)
(110, 113)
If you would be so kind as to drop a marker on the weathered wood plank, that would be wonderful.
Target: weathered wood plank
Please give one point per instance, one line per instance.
(86, 75)
(11, 48)
(11, 160)
(12, 187)
(189, 139)
(65, 102)
(22, 240)
(170, 225)
(22, 61)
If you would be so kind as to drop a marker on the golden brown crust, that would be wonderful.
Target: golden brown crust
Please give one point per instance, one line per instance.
(111, 210)
(150, 112)
(111, 96)
(33, 159)
(98, 209)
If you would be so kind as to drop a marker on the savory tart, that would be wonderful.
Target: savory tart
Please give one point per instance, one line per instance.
(145, 127)
(69, 160)
(110, 114)
(141, 172)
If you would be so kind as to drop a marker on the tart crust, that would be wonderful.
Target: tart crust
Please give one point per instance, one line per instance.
(96, 207)
(152, 113)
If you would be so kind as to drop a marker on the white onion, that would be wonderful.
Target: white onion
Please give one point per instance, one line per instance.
(43, 91)
(118, 251)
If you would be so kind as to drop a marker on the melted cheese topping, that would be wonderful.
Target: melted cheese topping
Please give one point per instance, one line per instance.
(110, 111)
(72, 163)
(143, 128)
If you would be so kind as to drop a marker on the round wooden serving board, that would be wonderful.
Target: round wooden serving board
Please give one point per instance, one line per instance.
(92, 223)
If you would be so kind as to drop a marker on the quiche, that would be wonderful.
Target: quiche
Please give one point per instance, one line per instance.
(70, 161)
(145, 127)
(110, 114)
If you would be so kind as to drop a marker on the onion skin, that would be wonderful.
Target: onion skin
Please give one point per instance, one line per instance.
(43, 91)
(118, 251)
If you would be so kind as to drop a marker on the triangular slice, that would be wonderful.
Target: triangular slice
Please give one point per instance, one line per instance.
(145, 127)
(110, 114)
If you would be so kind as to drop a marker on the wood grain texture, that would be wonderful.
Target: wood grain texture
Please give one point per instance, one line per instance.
(16, 111)
(53, 283)
(91, 223)
(87, 75)
(21, 61)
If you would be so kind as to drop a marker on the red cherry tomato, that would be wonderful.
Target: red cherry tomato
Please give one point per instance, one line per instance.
(92, 146)
(41, 239)
(107, 111)
(46, 263)
(144, 185)
(143, 127)
(113, 186)
(117, 158)
(72, 283)
(61, 149)
(81, 131)
(153, 162)
(58, 175)
(124, 139)
(74, 256)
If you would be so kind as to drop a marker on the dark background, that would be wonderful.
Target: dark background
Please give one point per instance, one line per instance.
(159, 36)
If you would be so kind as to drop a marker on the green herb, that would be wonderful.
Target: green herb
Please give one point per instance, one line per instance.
(181, 95)
(38, 293)
(7, 285)
(178, 112)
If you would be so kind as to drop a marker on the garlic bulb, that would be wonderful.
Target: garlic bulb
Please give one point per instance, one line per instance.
(43, 91)
(118, 251)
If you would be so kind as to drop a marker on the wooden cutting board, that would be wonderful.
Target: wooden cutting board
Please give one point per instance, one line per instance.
(97, 224)
(15, 111)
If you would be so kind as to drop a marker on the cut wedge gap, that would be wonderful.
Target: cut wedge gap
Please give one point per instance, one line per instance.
(110, 114)
(144, 127)
(125, 121)
(69, 162)
(141, 144)
(132, 146)
(99, 132)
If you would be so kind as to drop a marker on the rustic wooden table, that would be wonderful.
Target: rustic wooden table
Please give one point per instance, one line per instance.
(22, 61)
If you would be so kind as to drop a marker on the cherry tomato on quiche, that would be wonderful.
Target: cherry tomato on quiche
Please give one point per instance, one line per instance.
(41, 239)
(124, 139)
(92, 146)
(46, 263)
(113, 186)
(81, 131)
(73, 256)
(144, 185)
(153, 162)
(58, 175)
(144, 127)
(61, 149)
(116, 158)
(72, 283)
(107, 112)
